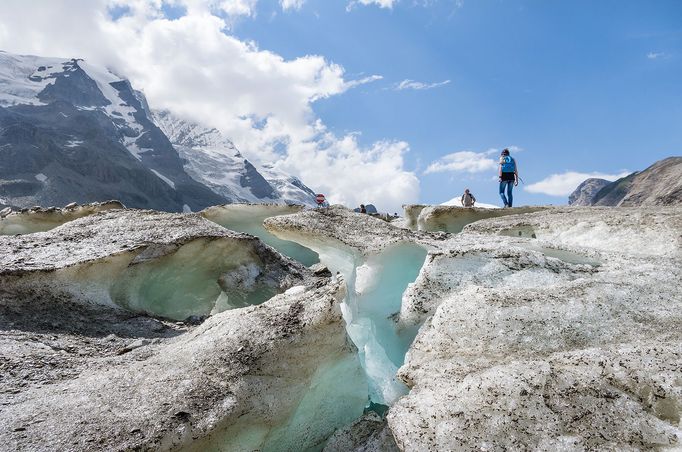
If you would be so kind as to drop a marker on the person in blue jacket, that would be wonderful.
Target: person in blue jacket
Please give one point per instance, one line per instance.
(509, 177)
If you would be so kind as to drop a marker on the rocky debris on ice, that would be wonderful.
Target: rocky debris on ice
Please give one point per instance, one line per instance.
(553, 329)
(448, 218)
(637, 231)
(39, 219)
(586, 192)
(562, 342)
(484, 262)
(135, 259)
(341, 226)
(224, 383)
(370, 433)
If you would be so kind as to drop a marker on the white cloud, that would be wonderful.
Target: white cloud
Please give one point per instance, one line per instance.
(291, 4)
(565, 183)
(362, 81)
(464, 161)
(411, 84)
(655, 55)
(238, 7)
(380, 3)
(190, 66)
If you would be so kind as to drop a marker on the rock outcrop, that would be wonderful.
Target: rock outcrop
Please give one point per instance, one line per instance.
(658, 185)
(586, 192)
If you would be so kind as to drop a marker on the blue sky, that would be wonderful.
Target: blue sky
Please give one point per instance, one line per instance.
(312, 87)
(579, 86)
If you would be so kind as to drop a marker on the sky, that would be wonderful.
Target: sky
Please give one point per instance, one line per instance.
(396, 101)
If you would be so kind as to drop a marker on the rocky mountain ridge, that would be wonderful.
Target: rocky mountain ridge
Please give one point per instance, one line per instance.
(71, 131)
(658, 185)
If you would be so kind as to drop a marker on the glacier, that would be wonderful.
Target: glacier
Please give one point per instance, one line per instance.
(38, 219)
(556, 329)
(249, 218)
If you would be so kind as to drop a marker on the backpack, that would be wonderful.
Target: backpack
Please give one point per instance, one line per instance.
(508, 164)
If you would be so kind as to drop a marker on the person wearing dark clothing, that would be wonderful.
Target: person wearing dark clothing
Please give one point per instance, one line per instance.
(468, 199)
(363, 209)
(508, 174)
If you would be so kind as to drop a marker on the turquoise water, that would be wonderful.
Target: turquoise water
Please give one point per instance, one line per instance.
(370, 316)
(252, 223)
(186, 283)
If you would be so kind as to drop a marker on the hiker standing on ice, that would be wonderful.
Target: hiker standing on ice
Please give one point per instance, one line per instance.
(508, 174)
(468, 199)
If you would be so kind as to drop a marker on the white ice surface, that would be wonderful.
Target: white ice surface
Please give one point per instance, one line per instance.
(457, 202)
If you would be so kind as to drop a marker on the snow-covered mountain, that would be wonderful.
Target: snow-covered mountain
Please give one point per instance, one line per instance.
(212, 159)
(74, 131)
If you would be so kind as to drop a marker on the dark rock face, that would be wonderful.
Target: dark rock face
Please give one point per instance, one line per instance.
(257, 183)
(85, 135)
(585, 193)
(658, 185)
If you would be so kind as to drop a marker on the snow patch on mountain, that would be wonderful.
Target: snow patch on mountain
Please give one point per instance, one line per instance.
(213, 160)
(22, 77)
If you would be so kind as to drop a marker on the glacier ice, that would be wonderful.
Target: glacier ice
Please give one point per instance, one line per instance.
(553, 342)
(376, 281)
(633, 231)
(278, 376)
(40, 219)
(249, 218)
(173, 266)
(453, 218)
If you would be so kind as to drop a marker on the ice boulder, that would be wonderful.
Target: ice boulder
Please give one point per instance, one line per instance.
(38, 219)
(169, 265)
(558, 342)
(448, 218)
(278, 376)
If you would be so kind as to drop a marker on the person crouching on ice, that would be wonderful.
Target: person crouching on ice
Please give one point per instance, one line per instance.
(509, 177)
(468, 199)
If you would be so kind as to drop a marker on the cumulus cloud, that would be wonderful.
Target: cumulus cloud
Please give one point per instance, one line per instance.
(238, 7)
(193, 67)
(464, 161)
(411, 84)
(565, 183)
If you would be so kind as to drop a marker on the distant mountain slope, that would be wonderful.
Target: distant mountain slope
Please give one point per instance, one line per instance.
(658, 185)
(213, 159)
(73, 131)
(585, 193)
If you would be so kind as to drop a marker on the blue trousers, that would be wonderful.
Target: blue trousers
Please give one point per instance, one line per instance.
(509, 184)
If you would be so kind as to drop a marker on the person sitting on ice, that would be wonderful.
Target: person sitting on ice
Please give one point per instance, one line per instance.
(468, 199)
(363, 209)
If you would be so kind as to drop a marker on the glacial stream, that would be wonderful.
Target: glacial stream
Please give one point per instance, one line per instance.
(375, 286)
